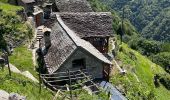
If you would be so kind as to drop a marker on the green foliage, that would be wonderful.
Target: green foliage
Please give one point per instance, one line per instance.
(165, 80)
(165, 47)
(12, 29)
(163, 59)
(4, 1)
(144, 46)
(23, 86)
(98, 6)
(138, 83)
(150, 17)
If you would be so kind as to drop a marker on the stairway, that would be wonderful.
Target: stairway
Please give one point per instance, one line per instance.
(39, 35)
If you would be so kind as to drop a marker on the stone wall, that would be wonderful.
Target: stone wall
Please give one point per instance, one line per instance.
(93, 65)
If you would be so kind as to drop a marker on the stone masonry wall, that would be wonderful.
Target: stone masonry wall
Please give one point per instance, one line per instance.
(93, 65)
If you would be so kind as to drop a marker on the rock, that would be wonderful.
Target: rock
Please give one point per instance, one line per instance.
(15, 96)
(4, 95)
(30, 76)
(14, 69)
(2, 60)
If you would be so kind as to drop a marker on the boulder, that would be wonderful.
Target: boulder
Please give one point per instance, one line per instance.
(15, 96)
(4, 95)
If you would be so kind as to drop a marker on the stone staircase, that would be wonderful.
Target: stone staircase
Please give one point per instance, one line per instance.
(39, 35)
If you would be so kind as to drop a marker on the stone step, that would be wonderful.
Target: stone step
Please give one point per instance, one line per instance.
(39, 35)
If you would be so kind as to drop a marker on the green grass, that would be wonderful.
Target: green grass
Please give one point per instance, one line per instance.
(8, 7)
(145, 70)
(14, 27)
(22, 59)
(16, 85)
(4, 1)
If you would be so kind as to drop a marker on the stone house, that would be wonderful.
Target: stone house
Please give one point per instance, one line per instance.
(95, 27)
(61, 49)
(72, 6)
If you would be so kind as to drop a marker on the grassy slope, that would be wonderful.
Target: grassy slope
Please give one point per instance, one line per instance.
(144, 70)
(14, 28)
(30, 89)
(8, 7)
(5, 1)
(22, 59)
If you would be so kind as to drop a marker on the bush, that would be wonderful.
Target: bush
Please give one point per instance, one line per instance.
(144, 46)
(165, 81)
(163, 59)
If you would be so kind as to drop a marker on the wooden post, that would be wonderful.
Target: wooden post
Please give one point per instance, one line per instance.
(7, 59)
(39, 82)
(70, 85)
(109, 74)
(39, 73)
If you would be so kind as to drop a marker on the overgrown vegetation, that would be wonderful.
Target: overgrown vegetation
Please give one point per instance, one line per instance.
(138, 83)
(155, 50)
(12, 29)
(150, 17)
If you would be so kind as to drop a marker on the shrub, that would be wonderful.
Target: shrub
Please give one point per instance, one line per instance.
(165, 81)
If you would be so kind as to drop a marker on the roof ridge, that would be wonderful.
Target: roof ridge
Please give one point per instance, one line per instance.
(72, 36)
(76, 39)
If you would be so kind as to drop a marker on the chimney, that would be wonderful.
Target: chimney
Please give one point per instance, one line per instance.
(47, 38)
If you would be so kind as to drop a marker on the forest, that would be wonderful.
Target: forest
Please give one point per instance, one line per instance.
(146, 27)
(150, 17)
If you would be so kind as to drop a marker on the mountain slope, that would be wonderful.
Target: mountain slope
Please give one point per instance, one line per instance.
(23, 86)
(150, 17)
(138, 83)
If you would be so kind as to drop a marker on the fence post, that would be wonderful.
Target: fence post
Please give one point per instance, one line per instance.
(7, 60)
(39, 70)
(70, 84)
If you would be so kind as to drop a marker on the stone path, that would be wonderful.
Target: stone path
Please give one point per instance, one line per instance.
(25, 73)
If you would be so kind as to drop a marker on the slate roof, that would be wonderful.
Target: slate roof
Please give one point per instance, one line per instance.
(89, 24)
(73, 6)
(28, 1)
(63, 43)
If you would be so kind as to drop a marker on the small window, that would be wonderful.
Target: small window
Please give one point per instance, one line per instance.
(80, 63)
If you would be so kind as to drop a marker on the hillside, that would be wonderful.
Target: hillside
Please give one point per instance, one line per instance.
(141, 43)
(138, 83)
(13, 29)
(140, 69)
(23, 86)
(150, 17)
(139, 57)
(17, 32)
